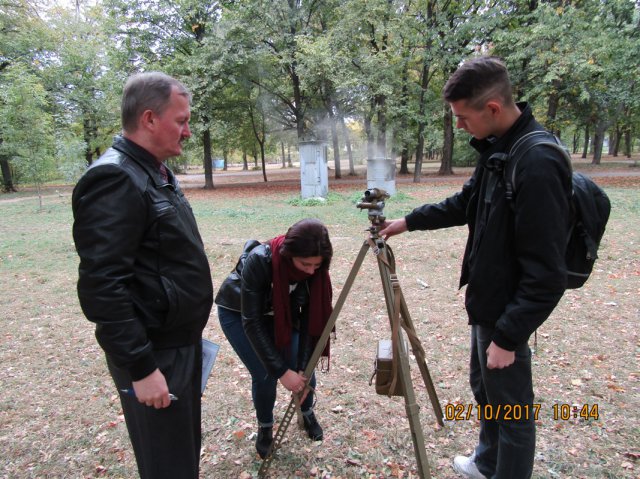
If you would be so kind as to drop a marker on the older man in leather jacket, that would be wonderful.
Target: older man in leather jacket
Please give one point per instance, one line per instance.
(144, 277)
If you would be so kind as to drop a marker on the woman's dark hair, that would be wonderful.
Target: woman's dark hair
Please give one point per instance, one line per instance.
(306, 238)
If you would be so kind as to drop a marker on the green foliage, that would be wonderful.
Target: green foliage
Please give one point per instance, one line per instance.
(587, 85)
(25, 125)
(85, 79)
(265, 72)
(70, 157)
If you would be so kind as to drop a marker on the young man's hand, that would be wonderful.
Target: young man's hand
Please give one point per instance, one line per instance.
(392, 228)
(498, 358)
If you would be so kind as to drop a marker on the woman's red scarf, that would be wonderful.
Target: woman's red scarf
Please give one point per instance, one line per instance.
(320, 296)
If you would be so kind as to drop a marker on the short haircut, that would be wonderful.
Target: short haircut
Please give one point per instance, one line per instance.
(306, 238)
(147, 91)
(478, 80)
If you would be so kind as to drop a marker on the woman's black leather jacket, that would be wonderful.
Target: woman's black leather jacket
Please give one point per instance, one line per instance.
(248, 289)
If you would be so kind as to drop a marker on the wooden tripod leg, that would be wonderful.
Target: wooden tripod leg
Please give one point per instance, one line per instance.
(315, 356)
(412, 409)
(413, 414)
(424, 370)
(386, 266)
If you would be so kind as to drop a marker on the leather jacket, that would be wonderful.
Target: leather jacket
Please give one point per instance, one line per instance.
(144, 277)
(513, 265)
(248, 289)
(229, 292)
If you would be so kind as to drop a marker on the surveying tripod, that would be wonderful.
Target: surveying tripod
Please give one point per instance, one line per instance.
(399, 318)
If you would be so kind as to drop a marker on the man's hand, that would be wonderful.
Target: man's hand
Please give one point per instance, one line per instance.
(498, 358)
(153, 390)
(392, 228)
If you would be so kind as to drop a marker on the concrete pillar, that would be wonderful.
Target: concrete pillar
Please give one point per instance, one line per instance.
(314, 178)
(381, 173)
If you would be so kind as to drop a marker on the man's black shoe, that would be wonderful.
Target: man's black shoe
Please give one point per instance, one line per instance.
(264, 440)
(312, 427)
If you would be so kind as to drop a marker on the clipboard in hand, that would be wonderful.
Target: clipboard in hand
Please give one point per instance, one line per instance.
(209, 353)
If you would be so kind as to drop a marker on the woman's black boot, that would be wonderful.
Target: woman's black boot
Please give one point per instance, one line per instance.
(264, 440)
(312, 427)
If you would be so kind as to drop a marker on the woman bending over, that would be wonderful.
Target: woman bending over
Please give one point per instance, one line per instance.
(273, 308)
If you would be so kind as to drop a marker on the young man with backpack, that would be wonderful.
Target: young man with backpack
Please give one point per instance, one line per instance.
(514, 262)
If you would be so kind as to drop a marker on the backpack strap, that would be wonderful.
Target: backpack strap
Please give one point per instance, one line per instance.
(522, 146)
(517, 151)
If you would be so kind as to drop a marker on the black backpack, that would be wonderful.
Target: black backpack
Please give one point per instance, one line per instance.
(589, 203)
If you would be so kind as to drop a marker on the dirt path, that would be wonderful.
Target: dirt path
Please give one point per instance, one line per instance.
(611, 172)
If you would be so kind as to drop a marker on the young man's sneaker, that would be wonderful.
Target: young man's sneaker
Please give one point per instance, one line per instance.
(312, 427)
(466, 466)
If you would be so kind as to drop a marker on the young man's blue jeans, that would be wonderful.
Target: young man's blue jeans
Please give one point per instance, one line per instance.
(506, 447)
(263, 386)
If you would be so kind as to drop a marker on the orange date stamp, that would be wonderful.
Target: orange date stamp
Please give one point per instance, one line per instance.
(519, 412)
(489, 412)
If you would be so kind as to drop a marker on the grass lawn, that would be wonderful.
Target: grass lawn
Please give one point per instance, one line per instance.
(60, 415)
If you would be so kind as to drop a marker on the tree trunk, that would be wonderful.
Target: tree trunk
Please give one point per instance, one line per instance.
(447, 147)
(284, 159)
(627, 141)
(417, 170)
(612, 140)
(404, 148)
(625, 135)
(616, 147)
(289, 156)
(208, 170)
(347, 143)
(297, 102)
(336, 146)
(585, 148)
(381, 143)
(369, 134)
(552, 109)
(424, 84)
(598, 140)
(86, 133)
(261, 137)
(245, 165)
(264, 163)
(404, 159)
(94, 134)
(7, 177)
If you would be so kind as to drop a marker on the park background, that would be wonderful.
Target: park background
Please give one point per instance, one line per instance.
(366, 79)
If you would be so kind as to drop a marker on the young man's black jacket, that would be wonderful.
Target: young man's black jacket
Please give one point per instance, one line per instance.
(144, 277)
(248, 289)
(514, 259)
